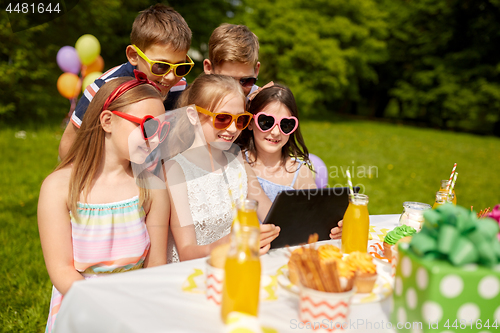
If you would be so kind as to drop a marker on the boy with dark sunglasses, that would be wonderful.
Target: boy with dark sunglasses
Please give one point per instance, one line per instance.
(233, 50)
(160, 39)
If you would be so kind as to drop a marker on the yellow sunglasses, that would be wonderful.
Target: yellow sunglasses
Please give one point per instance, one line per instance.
(162, 68)
(222, 120)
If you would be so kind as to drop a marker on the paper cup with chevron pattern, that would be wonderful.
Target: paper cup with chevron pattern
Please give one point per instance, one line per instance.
(326, 312)
(213, 280)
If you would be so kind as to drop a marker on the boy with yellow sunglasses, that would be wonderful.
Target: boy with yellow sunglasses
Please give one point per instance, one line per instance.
(160, 40)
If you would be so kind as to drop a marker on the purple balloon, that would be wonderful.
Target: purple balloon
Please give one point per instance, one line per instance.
(321, 171)
(68, 60)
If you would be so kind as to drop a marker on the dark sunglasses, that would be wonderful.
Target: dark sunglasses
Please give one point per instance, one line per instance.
(247, 82)
(266, 122)
(150, 126)
(222, 120)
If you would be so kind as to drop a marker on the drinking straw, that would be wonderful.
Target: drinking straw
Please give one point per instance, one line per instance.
(451, 176)
(233, 207)
(349, 182)
(233, 204)
(241, 191)
(211, 159)
(453, 183)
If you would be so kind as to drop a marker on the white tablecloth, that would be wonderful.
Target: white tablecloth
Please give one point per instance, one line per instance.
(152, 300)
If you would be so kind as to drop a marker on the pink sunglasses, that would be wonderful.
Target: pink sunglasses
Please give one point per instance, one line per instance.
(266, 122)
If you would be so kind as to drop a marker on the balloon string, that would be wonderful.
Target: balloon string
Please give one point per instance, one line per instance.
(73, 106)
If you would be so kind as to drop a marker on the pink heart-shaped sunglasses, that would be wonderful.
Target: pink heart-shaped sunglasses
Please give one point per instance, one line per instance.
(266, 122)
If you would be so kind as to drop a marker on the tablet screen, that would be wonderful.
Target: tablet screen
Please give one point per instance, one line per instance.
(300, 213)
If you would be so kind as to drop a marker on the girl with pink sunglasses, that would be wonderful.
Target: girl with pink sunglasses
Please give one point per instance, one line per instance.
(273, 144)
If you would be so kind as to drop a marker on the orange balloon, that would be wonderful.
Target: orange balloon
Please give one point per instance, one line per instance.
(96, 66)
(68, 85)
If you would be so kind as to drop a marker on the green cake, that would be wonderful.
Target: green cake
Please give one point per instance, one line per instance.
(394, 236)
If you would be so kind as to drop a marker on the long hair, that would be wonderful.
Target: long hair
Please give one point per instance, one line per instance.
(87, 150)
(295, 147)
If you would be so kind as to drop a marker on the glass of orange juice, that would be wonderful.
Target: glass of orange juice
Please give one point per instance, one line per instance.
(443, 197)
(247, 213)
(444, 184)
(241, 287)
(356, 224)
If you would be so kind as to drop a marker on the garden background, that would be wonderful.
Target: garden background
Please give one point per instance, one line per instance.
(399, 90)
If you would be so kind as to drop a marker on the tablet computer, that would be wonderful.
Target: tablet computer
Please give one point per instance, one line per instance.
(300, 213)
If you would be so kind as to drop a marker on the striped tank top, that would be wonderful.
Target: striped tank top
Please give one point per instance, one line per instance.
(107, 238)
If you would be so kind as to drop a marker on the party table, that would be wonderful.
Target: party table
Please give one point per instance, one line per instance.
(171, 298)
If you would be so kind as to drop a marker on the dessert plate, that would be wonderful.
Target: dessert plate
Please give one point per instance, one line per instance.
(382, 288)
(376, 250)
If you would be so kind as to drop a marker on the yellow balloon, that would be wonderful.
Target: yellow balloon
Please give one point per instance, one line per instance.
(68, 85)
(89, 79)
(88, 48)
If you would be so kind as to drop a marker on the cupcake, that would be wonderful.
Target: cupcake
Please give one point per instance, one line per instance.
(218, 256)
(394, 236)
(345, 270)
(329, 252)
(366, 271)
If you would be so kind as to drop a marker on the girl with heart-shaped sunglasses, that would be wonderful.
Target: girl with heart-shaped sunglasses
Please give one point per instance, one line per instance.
(273, 144)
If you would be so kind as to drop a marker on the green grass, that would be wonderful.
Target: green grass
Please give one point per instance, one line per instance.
(25, 286)
(406, 163)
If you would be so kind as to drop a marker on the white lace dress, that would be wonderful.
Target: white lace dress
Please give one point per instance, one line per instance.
(209, 202)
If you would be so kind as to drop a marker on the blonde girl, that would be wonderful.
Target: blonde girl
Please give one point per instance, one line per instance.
(92, 217)
(210, 176)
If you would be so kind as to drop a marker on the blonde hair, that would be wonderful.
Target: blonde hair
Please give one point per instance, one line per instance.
(160, 24)
(233, 43)
(87, 150)
(208, 91)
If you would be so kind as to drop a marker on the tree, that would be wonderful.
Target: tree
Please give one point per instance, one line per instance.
(445, 56)
(321, 49)
(28, 67)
